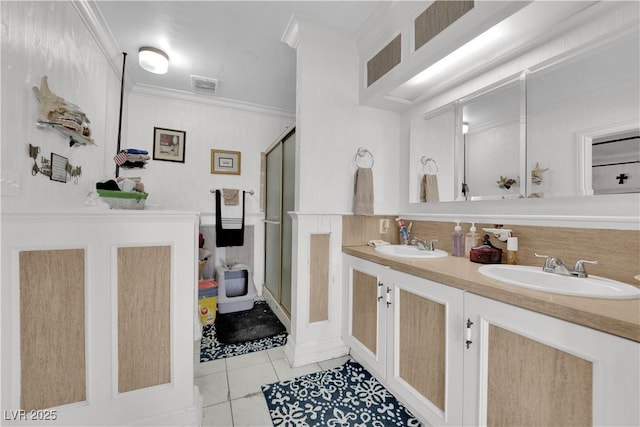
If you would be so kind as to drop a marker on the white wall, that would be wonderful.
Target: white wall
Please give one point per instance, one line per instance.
(173, 185)
(208, 123)
(49, 38)
(331, 128)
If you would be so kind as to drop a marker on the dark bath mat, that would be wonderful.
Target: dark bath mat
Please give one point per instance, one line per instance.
(344, 396)
(242, 326)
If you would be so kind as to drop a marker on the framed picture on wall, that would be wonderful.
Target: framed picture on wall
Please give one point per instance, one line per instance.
(226, 162)
(58, 168)
(169, 144)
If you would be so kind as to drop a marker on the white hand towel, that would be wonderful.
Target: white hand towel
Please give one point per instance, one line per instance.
(232, 213)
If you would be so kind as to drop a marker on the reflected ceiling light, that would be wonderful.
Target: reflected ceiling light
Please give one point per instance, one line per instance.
(475, 48)
(465, 128)
(153, 60)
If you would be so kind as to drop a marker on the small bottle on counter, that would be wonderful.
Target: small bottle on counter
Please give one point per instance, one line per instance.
(457, 246)
(402, 229)
(512, 250)
(471, 240)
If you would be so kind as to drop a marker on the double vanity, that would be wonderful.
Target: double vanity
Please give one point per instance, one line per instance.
(514, 125)
(466, 344)
(531, 277)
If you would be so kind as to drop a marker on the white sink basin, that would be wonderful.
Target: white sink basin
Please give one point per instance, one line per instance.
(535, 278)
(406, 251)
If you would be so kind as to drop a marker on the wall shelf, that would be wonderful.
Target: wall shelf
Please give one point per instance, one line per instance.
(75, 138)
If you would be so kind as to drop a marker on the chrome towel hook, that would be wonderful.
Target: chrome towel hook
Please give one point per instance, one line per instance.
(363, 153)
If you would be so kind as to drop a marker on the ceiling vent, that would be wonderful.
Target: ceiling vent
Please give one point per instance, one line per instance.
(204, 85)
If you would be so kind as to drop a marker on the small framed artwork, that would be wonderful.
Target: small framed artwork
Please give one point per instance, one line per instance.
(59, 168)
(227, 162)
(169, 144)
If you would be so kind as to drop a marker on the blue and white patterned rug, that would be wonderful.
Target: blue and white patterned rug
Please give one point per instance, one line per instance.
(344, 396)
(211, 348)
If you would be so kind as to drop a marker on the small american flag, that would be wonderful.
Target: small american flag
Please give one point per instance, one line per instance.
(120, 158)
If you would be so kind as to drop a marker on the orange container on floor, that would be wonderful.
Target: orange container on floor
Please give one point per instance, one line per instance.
(207, 301)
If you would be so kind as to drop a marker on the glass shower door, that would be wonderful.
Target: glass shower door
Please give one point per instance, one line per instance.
(288, 205)
(273, 218)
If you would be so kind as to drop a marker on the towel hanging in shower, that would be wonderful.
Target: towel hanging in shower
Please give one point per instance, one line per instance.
(229, 229)
(231, 196)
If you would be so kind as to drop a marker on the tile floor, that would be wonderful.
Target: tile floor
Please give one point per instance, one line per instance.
(231, 387)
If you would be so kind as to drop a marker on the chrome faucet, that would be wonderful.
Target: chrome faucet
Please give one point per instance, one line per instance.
(556, 266)
(423, 245)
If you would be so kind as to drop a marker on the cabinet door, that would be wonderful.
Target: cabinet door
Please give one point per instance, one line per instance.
(365, 305)
(424, 334)
(525, 368)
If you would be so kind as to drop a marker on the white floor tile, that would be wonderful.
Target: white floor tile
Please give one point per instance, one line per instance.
(286, 372)
(250, 359)
(239, 378)
(210, 367)
(214, 388)
(217, 415)
(251, 411)
(246, 381)
(276, 353)
(333, 363)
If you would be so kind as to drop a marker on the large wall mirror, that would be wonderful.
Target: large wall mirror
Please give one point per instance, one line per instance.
(598, 89)
(553, 131)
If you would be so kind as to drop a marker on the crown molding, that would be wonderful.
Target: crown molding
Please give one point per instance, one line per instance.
(291, 35)
(299, 29)
(176, 95)
(95, 23)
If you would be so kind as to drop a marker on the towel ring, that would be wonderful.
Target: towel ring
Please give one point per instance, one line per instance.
(424, 161)
(363, 152)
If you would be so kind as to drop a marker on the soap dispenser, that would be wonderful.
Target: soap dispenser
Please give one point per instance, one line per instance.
(471, 240)
(457, 246)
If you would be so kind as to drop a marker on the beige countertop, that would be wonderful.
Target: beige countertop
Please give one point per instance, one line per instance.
(617, 317)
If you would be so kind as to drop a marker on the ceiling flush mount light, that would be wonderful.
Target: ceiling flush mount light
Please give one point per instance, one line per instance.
(153, 60)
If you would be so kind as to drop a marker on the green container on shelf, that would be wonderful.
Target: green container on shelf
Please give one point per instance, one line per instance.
(123, 199)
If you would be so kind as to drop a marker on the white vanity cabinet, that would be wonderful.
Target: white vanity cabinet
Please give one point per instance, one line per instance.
(456, 358)
(407, 330)
(526, 368)
(424, 355)
(364, 302)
